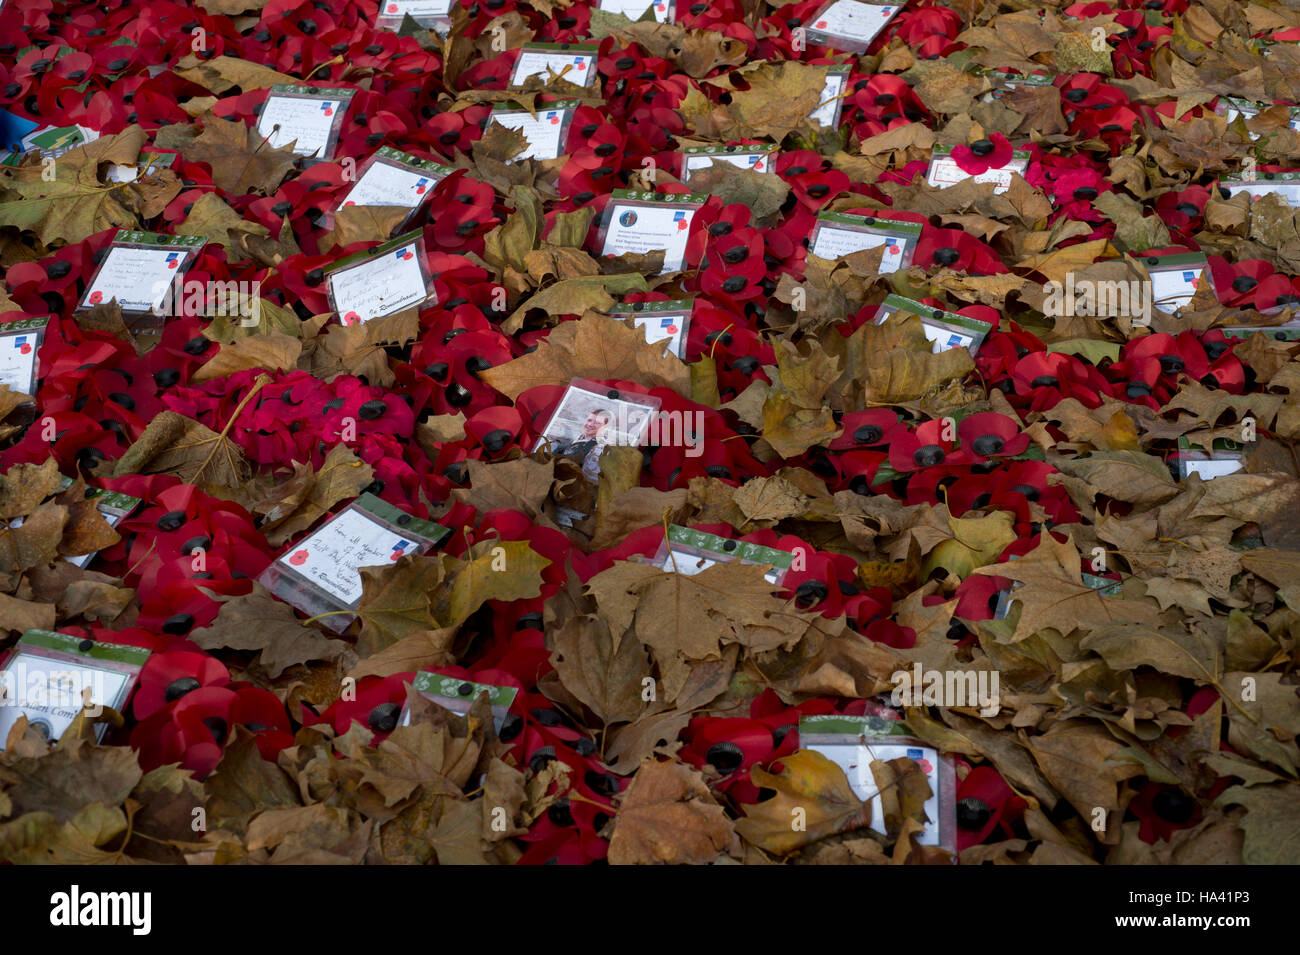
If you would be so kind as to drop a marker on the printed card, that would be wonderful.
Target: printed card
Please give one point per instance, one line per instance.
(139, 270)
(828, 111)
(850, 24)
(839, 234)
(1223, 458)
(544, 132)
(453, 693)
(378, 283)
(424, 12)
(687, 551)
(576, 63)
(756, 159)
(945, 172)
(308, 117)
(641, 226)
(635, 9)
(393, 179)
(945, 329)
(47, 676)
(1173, 280)
(661, 323)
(1283, 184)
(19, 343)
(1230, 108)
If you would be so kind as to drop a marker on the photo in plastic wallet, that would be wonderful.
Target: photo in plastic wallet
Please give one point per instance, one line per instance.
(20, 343)
(380, 281)
(575, 62)
(945, 329)
(546, 132)
(144, 273)
(945, 172)
(310, 117)
(850, 25)
(1223, 457)
(1284, 184)
(320, 573)
(831, 105)
(854, 742)
(669, 320)
(688, 551)
(664, 11)
(838, 234)
(45, 675)
(458, 695)
(644, 222)
(1174, 278)
(1231, 107)
(589, 418)
(755, 158)
(391, 177)
(431, 14)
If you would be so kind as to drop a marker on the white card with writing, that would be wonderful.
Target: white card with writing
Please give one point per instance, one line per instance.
(381, 286)
(306, 122)
(330, 557)
(649, 228)
(1171, 289)
(635, 9)
(830, 103)
(692, 564)
(542, 132)
(945, 172)
(577, 67)
(855, 760)
(946, 338)
(854, 20)
(835, 243)
(386, 184)
(415, 8)
(137, 278)
(1213, 467)
(1289, 190)
(17, 356)
(757, 161)
(48, 691)
(658, 327)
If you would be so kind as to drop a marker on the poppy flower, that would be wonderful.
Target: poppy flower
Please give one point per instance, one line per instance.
(1163, 809)
(170, 675)
(956, 249)
(988, 435)
(985, 803)
(193, 729)
(927, 447)
(983, 154)
(1252, 283)
(377, 705)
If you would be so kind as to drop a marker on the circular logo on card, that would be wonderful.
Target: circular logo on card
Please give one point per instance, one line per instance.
(351, 318)
(25, 348)
(96, 298)
(298, 558)
(627, 219)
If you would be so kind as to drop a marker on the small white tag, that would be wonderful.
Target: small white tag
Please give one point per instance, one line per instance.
(137, 278)
(835, 243)
(17, 356)
(649, 228)
(756, 162)
(48, 692)
(856, 759)
(945, 172)
(386, 184)
(658, 327)
(1171, 289)
(635, 9)
(416, 8)
(381, 286)
(1214, 467)
(304, 121)
(578, 68)
(830, 103)
(1288, 189)
(543, 133)
(853, 20)
(330, 557)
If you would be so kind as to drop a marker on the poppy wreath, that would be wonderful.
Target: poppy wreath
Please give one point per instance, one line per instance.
(937, 502)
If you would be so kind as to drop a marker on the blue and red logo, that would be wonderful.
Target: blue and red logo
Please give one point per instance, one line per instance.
(399, 549)
(173, 259)
(405, 254)
(554, 117)
(22, 344)
(327, 108)
(680, 218)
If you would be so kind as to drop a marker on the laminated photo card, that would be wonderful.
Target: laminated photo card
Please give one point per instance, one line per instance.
(20, 342)
(393, 178)
(849, 24)
(320, 574)
(141, 272)
(576, 62)
(589, 418)
(945, 172)
(113, 506)
(1223, 457)
(453, 693)
(51, 677)
(854, 742)
(838, 234)
(670, 321)
(688, 551)
(1174, 278)
(831, 106)
(379, 281)
(431, 14)
(945, 329)
(664, 11)
(755, 158)
(1231, 107)
(644, 222)
(310, 117)
(1285, 184)
(546, 130)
